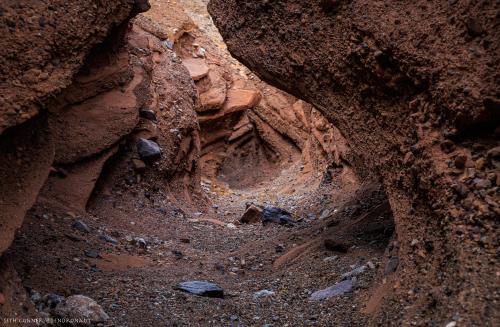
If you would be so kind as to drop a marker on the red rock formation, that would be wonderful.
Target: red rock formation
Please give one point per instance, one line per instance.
(412, 86)
(44, 44)
(42, 47)
(95, 81)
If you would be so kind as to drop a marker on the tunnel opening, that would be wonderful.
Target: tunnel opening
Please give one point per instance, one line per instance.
(251, 133)
(252, 148)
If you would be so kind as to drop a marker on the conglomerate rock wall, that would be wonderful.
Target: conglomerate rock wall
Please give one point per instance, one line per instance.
(413, 86)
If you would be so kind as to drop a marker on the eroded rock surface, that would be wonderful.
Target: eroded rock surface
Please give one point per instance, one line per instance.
(412, 87)
(43, 46)
(90, 75)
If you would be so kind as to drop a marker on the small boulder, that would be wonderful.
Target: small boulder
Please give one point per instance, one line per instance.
(148, 150)
(81, 307)
(277, 215)
(252, 215)
(201, 288)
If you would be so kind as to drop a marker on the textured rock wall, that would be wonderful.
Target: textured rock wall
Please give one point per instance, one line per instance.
(42, 46)
(81, 84)
(414, 89)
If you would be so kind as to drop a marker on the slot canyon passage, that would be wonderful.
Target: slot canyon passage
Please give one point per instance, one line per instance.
(317, 163)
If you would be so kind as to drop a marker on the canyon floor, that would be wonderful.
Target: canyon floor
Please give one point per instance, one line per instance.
(135, 285)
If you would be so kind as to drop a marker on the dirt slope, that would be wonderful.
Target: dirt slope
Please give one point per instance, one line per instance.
(413, 87)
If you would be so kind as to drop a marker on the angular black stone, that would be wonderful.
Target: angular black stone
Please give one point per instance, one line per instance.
(201, 288)
(277, 215)
(148, 150)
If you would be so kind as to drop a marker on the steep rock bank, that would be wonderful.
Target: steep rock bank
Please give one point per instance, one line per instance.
(43, 46)
(414, 89)
(70, 132)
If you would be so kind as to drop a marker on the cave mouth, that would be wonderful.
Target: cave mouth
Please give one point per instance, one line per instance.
(262, 146)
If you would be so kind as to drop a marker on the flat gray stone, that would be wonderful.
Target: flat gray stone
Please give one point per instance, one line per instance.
(201, 288)
(335, 290)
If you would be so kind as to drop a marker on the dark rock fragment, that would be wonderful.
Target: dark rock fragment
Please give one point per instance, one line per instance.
(81, 226)
(201, 288)
(392, 265)
(148, 150)
(277, 215)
